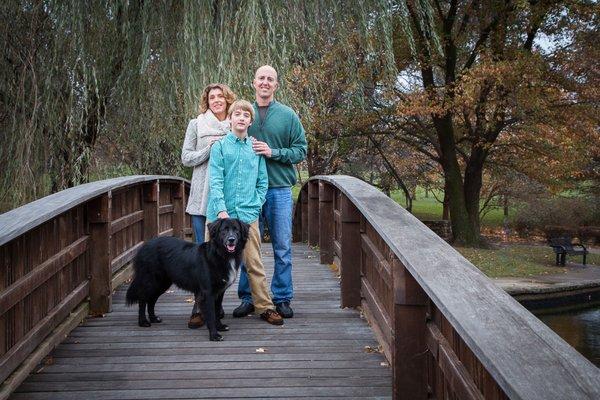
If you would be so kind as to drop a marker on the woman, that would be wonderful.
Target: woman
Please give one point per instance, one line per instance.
(211, 125)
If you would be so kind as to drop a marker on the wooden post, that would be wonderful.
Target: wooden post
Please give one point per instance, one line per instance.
(409, 347)
(304, 213)
(99, 212)
(351, 257)
(151, 196)
(313, 213)
(297, 222)
(326, 193)
(178, 195)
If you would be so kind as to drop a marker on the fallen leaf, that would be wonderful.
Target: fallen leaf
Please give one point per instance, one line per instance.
(384, 364)
(189, 300)
(370, 349)
(260, 350)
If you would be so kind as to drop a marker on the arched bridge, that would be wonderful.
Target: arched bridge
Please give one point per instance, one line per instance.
(416, 321)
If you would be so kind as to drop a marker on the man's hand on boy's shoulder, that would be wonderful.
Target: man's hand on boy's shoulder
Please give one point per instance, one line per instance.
(262, 148)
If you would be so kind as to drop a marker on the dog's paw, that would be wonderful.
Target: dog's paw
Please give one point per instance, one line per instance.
(155, 319)
(216, 338)
(144, 324)
(222, 328)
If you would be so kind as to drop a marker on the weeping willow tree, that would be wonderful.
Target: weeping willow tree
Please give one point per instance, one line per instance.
(117, 80)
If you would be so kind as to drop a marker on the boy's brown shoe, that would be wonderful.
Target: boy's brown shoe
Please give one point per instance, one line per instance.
(272, 317)
(196, 321)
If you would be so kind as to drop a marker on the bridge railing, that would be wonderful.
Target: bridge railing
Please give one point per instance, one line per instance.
(61, 250)
(448, 331)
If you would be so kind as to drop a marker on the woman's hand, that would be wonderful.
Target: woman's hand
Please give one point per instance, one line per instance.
(223, 215)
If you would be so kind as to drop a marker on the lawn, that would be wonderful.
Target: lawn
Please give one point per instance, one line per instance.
(518, 260)
(428, 208)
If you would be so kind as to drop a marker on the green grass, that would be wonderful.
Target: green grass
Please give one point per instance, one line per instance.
(428, 208)
(518, 261)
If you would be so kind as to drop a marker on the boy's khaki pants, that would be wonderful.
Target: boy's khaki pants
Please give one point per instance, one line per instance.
(256, 271)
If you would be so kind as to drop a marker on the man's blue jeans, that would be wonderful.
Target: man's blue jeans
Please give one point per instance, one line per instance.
(277, 214)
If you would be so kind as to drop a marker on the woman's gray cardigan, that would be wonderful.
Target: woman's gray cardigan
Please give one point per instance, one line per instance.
(195, 153)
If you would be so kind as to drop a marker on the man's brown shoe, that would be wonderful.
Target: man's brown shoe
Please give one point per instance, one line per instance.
(272, 317)
(196, 321)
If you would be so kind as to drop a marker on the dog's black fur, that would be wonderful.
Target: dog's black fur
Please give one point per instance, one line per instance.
(203, 269)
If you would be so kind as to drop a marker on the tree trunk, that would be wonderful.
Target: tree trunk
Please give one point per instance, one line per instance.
(445, 207)
(463, 229)
(472, 187)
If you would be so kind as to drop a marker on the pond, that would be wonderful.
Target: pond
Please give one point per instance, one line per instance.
(579, 328)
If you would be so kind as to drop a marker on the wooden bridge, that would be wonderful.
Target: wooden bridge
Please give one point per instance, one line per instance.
(445, 331)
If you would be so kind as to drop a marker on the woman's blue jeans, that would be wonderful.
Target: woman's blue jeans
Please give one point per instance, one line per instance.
(277, 214)
(198, 225)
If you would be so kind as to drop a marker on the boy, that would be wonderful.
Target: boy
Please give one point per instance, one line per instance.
(238, 185)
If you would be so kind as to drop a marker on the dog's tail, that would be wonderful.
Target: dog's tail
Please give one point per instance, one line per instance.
(132, 293)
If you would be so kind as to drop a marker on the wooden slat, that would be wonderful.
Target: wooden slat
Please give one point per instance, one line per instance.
(377, 309)
(383, 267)
(125, 257)
(168, 208)
(21, 350)
(313, 213)
(337, 249)
(126, 221)
(455, 373)
(150, 194)
(350, 254)
(24, 286)
(326, 223)
(168, 232)
(303, 200)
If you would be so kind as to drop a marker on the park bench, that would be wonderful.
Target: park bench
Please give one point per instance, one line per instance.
(563, 246)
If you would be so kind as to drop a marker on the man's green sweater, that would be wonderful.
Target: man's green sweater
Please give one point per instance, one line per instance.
(282, 131)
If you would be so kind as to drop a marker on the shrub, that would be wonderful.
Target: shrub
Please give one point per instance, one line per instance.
(557, 214)
(589, 234)
(554, 231)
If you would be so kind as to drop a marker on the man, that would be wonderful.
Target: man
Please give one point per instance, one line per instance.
(279, 136)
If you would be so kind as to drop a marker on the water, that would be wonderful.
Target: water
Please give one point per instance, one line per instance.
(579, 328)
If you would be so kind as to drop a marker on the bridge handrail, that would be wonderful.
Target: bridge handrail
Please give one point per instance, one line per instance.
(15, 222)
(61, 250)
(442, 318)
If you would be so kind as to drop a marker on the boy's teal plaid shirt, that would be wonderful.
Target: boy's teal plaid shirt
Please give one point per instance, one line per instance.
(238, 179)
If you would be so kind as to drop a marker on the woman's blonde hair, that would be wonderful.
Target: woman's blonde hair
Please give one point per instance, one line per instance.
(227, 92)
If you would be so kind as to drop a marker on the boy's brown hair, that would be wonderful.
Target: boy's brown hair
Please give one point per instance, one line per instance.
(241, 105)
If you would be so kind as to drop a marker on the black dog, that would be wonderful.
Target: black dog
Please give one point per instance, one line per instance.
(206, 269)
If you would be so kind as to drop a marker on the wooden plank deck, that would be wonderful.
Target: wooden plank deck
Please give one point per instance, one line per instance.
(320, 353)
